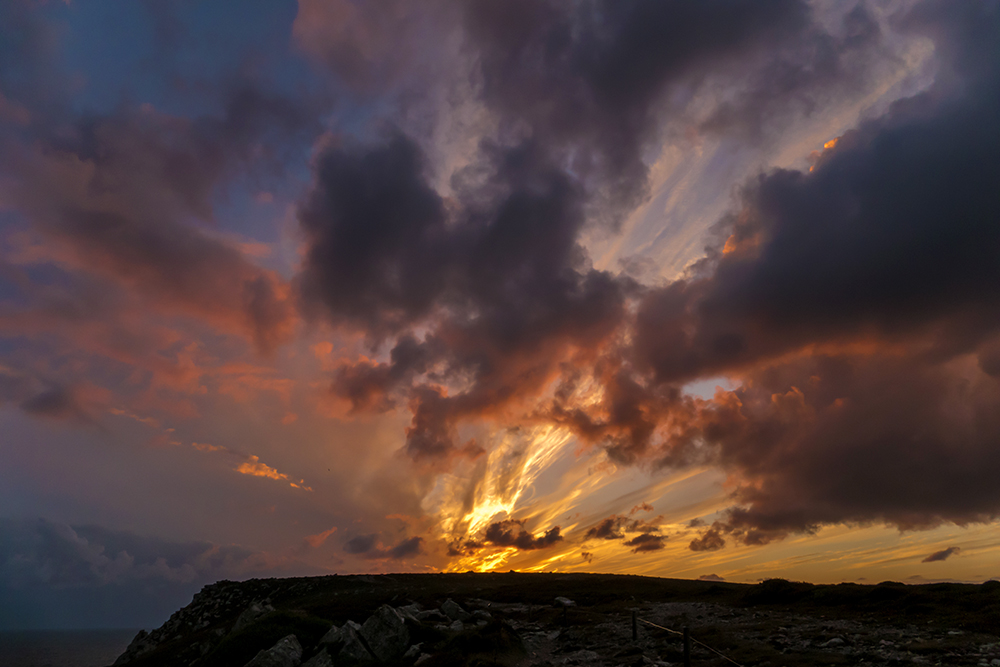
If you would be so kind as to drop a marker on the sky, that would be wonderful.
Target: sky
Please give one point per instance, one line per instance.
(697, 290)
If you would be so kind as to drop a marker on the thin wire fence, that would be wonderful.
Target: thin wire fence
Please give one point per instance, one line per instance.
(688, 636)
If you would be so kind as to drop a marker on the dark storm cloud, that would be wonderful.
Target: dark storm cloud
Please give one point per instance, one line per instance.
(614, 527)
(511, 533)
(710, 540)
(361, 544)
(944, 554)
(42, 398)
(56, 575)
(646, 542)
(495, 277)
(607, 529)
(40, 552)
(588, 77)
(854, 301)
(124, 195)
(710, 577)
(115, 195)
(367, 546)
(500, 274)
(894, 231)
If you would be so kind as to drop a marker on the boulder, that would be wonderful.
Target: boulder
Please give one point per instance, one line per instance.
(432, 616)
(347, 643)
(386, 634)
(332, 635)
(321, 659)
(454, 611)
(286, 653)
(564, 602)
(251, 614)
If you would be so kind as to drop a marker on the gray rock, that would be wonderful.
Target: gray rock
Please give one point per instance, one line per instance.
(454, 611)
(411, 609)
(348, 643)
(332, 635)
(564, 602)
(482, 615)
(456, 626)
(386, 634)
(321, 659)
(413, 651)
(286, 653)
(432, 616)
(836, 641)
(251, 614)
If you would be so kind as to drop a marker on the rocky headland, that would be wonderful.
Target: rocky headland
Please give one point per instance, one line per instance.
(519, 619)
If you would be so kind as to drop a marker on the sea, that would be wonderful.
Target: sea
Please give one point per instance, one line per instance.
(63, 648)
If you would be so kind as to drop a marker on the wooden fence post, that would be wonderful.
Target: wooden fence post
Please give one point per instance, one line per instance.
(687, 647)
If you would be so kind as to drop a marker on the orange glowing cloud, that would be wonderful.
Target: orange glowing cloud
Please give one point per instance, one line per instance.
(254, 467)
(319, 538)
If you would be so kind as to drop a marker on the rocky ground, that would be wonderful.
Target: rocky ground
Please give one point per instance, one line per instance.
(541, 620)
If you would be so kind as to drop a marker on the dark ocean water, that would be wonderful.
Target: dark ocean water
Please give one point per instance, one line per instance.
(63, 648)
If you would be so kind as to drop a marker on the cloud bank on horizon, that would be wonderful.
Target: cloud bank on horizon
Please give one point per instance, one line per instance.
(439, 281)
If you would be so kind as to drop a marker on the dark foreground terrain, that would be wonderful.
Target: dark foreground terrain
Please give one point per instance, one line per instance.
(438, 620)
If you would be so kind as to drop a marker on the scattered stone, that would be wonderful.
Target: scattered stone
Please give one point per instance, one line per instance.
(413, 651)
(432, 616)
(347, 642)
(386, 634)
(454, 611)
(482, 615)
(286, 653)
(332, 635)
(321, 659)
(456, 626)
(564, 602)
(583, 656)
(252, 614)
(836, 641)
(410, 611)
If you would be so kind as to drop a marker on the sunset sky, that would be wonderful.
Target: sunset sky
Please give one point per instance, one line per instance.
(687, 289)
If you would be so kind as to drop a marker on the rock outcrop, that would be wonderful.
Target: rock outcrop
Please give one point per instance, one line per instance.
(321, 659)
(386, 634)
(568, 620)
(286, 653)
(347, 642)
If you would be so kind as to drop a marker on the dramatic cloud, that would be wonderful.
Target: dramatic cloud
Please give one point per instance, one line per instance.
(710, 540)
(646, 542)
(461, 276)
(42, 562)
(367, 546)
(853, 302)
(614, 527)
(944, 554)
(511, 533)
